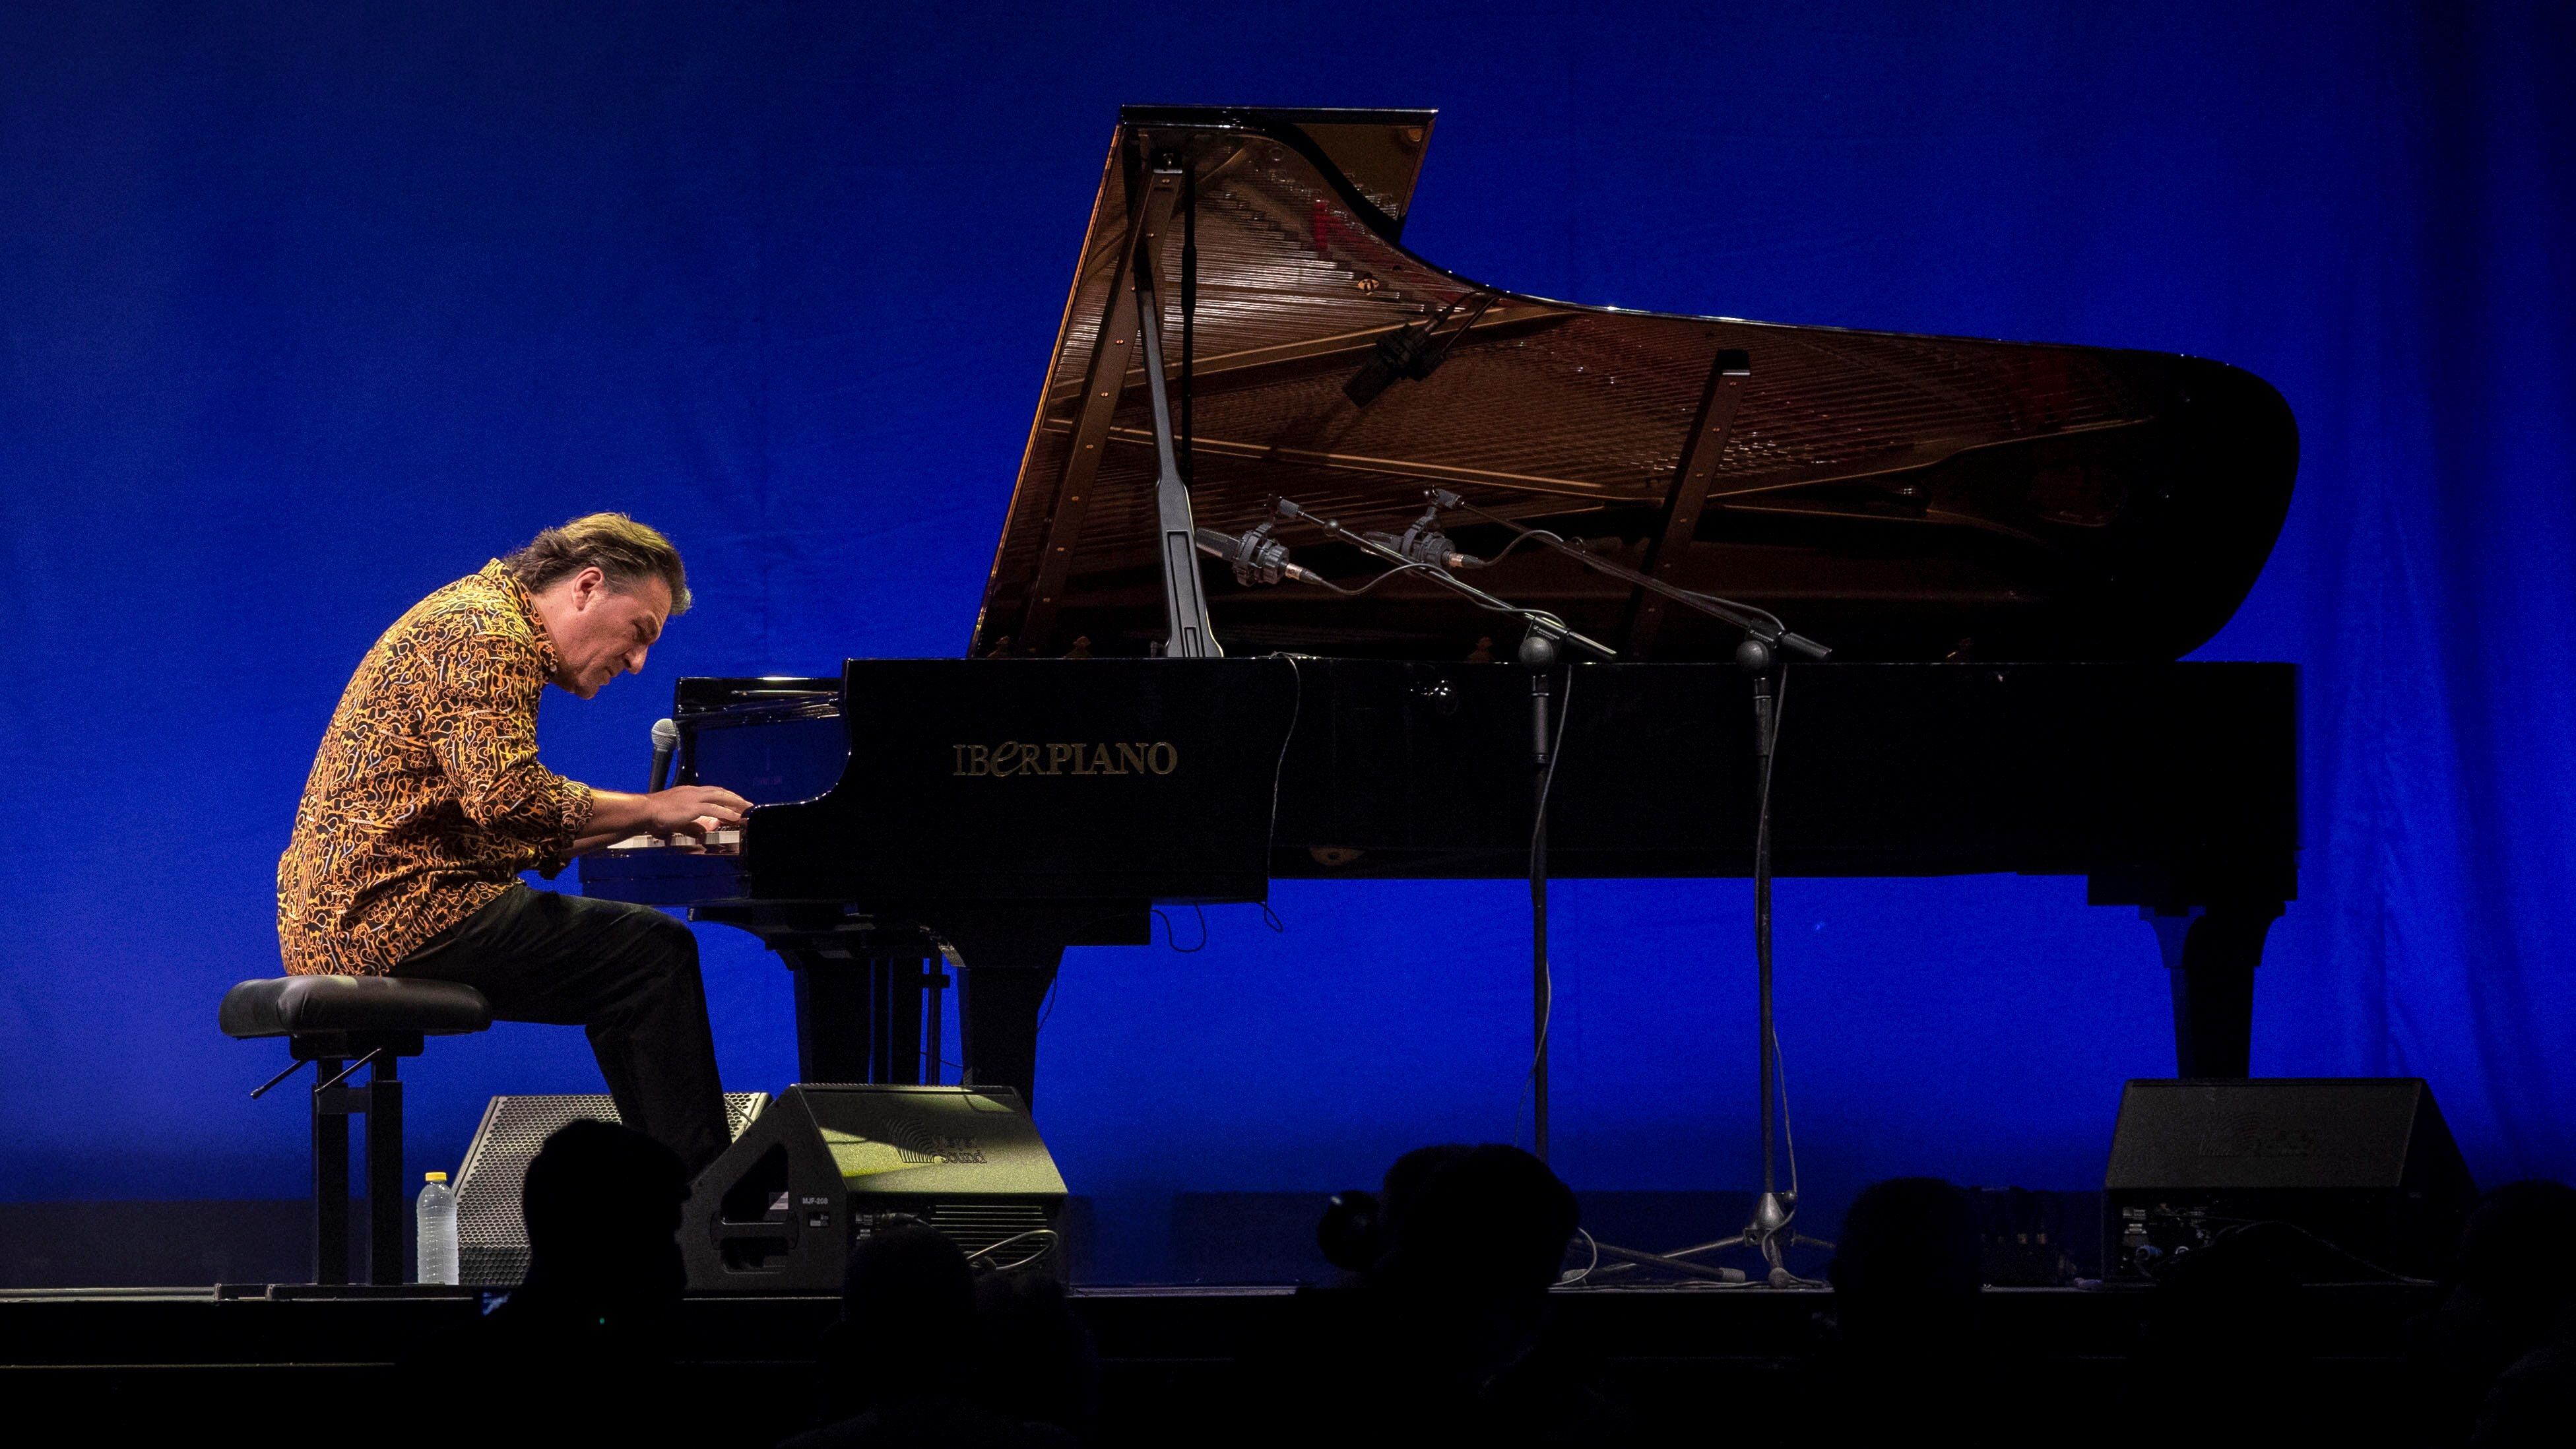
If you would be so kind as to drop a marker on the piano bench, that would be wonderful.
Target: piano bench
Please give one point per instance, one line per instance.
(342, 1023)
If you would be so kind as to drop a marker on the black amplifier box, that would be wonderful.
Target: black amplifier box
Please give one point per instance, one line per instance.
(827, 1165)
(2363, 1166)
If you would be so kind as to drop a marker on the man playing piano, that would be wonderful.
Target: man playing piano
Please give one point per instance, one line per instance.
(426, 801)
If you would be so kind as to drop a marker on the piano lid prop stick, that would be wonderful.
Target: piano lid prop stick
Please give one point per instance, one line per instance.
(1184, 602)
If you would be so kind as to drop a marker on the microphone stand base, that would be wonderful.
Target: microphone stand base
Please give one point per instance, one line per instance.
(1769, 1234)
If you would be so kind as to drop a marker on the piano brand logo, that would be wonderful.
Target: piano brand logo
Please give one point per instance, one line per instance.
(1017, 757)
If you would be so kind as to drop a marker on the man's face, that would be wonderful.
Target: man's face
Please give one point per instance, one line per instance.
(599, 630)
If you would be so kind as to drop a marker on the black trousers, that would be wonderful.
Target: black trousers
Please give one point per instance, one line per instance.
(628, 973)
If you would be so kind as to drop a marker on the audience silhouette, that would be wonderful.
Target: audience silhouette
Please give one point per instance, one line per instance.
(2227, 1333)
(1907, 1268)
(1040, 1362)
(1357, 1226)
(904, 1366)
(1445, 1336)
(1905, 1346)
(1442, 1331)
(581, 1351)
(2502, 1345)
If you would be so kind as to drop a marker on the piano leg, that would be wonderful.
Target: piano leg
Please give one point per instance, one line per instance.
(2211, 952)
(898, 1018)
(997, 1014)
(858, 1012)
(1006, 967)
(835, 1016)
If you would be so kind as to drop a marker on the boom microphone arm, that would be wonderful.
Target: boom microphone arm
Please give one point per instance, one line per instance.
(1539, 620)
(1755, 622)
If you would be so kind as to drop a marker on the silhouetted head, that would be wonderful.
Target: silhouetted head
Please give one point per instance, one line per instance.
(2518, 1256)
(602, 1204)
(2236, 1303)
(1909, 1253)
(1040, 1363)
(1483, 1222)
(1406, 1175)
(908, 1311)
(1357, 1227)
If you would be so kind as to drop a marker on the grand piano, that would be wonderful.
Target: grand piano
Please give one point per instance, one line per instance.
(1178, 690)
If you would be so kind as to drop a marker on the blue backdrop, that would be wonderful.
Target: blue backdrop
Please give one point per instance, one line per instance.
(306, 309)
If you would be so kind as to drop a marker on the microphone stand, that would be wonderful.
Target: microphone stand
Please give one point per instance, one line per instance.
(1772, 1228)
(1538, 654)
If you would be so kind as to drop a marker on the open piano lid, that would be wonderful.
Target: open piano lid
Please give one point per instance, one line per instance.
(1897, 497)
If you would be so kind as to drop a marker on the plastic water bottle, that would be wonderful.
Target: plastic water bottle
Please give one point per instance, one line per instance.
(436, 1216)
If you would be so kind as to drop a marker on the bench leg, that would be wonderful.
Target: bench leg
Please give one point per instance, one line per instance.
(330, 1182)
(384, 1174)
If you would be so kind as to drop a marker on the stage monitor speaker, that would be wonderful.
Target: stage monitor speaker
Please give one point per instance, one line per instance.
(491, 1238)
(826, 1166)
(2362, 1165)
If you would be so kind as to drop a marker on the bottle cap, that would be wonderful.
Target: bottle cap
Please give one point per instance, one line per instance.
(437, 1177)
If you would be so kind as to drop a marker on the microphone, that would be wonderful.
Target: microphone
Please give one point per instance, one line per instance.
(1403, 353)
(1424, 543)
(1256, 556)
(1407, 352)
(666, 738)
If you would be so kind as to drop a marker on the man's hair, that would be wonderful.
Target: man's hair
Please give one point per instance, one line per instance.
(625, 551)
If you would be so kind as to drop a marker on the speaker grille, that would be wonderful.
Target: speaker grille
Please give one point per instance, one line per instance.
(491, 1240)
(978, 1227)
(975, 1227)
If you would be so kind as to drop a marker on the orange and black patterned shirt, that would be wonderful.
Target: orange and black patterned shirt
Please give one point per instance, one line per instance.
(427, 798)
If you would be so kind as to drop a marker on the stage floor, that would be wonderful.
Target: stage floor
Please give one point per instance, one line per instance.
(146, 1360)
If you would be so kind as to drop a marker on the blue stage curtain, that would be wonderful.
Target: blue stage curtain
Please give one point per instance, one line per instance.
(307, 308)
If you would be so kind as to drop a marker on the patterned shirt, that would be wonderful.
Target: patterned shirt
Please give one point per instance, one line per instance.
(427, 799)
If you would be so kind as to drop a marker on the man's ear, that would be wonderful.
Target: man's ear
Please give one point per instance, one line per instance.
(588, 586)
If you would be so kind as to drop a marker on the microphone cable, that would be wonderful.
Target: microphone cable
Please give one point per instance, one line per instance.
(1279, 767)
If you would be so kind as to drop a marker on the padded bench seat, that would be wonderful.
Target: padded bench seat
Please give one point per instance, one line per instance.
(353, 1005)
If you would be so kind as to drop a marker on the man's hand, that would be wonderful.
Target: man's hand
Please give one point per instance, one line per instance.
(681, 810)
(694, 809)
